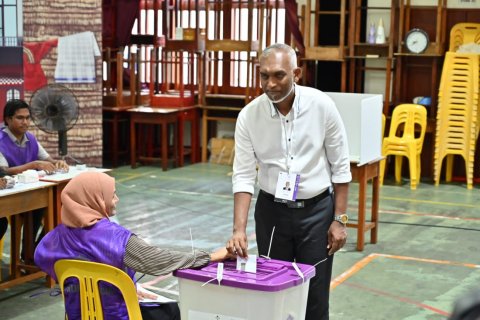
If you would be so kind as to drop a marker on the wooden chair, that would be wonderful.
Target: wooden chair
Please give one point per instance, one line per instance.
(89, 274)
(114, 94)
(230, 58)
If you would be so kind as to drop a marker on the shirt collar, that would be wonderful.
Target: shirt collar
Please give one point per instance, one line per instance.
(295, 107)
(23, 140)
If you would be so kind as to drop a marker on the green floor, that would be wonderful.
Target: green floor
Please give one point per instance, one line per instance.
(426, 257)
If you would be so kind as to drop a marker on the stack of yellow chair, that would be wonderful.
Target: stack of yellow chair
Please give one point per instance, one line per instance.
(458, 113)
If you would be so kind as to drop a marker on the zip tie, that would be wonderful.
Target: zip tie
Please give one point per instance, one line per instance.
(269, 246)
(219, 272)
(209, 281)
(219, 277)
(191, 240)
(294, 264)
(316, 264)
(193, 250)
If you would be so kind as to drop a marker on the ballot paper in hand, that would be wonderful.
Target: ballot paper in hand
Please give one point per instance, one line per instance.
(247, 264)
(159, 298)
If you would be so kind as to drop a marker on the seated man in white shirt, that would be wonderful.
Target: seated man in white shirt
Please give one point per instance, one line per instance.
(20, 151)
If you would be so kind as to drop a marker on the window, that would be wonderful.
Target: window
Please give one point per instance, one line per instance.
(9, 23)
(13, 94)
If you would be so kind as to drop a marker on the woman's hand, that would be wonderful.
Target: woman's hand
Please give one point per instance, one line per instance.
(145, 295)
(221, 254)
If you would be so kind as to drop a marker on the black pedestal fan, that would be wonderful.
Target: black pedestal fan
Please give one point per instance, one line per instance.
(54, 108)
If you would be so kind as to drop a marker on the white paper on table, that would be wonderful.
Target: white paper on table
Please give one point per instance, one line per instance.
(159, 299)
(247, 264)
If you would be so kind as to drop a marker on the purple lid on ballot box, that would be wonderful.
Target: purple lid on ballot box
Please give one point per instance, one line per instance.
(272, 275)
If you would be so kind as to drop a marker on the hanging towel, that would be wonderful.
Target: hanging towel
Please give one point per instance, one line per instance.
(76, 58)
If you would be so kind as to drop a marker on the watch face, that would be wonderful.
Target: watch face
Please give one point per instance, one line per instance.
(416, 41)
(343, 218)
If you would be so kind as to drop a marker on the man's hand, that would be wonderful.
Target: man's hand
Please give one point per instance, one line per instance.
(3, 183)
(337, 236)
(238, 244)
(46, 166)
(61, 165)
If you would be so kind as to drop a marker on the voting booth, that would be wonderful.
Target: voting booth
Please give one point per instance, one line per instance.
(275, 291)
(362, 116)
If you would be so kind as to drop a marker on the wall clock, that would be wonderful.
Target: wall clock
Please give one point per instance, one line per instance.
(416, 40)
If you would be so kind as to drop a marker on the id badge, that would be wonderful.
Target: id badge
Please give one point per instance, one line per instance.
(287, 187)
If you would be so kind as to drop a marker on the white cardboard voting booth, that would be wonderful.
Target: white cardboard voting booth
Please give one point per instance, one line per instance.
(362, 116)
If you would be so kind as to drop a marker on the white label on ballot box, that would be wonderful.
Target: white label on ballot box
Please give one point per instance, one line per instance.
(197, 315)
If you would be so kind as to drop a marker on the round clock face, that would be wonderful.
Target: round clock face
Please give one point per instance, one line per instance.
(416, 40)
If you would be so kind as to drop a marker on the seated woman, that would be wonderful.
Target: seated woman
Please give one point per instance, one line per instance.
(86, 233)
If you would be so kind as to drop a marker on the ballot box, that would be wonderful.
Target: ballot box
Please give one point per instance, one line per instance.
(275, 291)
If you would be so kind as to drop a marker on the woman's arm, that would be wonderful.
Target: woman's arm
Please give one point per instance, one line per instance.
(145, 258)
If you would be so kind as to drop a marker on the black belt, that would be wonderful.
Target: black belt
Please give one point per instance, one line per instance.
(299, 203)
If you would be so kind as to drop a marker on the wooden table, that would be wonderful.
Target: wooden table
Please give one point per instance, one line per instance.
(61, 180)
(156, 116)
(20, 199)
(118, 117)
(215, 113)
(362, 174)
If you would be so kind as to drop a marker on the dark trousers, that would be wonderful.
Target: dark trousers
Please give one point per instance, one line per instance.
(300, 235)
(167, 311)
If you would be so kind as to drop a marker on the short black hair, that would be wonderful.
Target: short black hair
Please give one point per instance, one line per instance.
(12, 106)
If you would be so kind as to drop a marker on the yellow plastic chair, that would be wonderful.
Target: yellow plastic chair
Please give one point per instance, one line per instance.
(402, 141)
(384, 119)
(2, 242)
(89, 274)
(463, 33)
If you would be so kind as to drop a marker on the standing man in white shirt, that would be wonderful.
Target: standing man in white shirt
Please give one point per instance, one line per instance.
(295, 136)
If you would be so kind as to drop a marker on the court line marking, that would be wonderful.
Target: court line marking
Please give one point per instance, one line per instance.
(430, 215)
(362, 263)
(399, 298)
(420, 214)
(368, 259)
(440, 203)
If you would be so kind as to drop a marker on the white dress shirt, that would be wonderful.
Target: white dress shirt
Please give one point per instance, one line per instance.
(310, 140)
